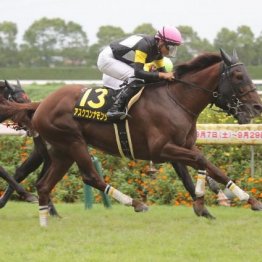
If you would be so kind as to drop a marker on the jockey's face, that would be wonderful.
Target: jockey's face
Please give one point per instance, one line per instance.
(163, 48)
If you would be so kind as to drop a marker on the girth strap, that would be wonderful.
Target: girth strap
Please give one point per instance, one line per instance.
(123, 139)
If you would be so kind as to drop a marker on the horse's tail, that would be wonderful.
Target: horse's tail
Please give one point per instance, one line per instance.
(19, 113)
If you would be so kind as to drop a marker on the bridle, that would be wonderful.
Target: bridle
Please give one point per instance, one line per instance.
(229, 103)
(12, 94)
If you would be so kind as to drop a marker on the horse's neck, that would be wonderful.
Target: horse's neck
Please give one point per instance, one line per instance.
(194, 99)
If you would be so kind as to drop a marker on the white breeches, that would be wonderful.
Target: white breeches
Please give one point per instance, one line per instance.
(114, 71)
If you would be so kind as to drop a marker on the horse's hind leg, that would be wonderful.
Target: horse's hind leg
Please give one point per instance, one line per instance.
(186, 179)
(51, 207)
(59, 165)
(41, 148)
(198, 206)
(91, 177)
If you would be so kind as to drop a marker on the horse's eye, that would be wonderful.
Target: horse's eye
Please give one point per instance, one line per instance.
(241, 90)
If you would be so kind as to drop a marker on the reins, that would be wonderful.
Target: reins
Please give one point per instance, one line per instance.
(175, 100)
(214, 93)
(191, 85)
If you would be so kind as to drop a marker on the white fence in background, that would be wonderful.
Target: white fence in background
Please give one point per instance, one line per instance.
(67, 82)
(4, 130)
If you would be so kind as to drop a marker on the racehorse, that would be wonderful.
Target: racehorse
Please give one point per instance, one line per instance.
(162, 124)
(39, 155)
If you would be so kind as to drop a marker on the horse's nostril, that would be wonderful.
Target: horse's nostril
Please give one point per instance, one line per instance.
(257, 107)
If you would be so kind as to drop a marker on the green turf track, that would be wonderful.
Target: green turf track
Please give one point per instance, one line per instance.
(164, 233)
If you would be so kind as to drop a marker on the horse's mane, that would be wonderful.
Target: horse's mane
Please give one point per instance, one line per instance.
(198, 63)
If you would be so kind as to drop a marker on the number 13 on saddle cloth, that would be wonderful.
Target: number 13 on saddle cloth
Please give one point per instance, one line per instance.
(94, 103)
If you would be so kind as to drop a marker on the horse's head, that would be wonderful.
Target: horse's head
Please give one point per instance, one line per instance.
(9, 92)
(236, 93)
(13, 92)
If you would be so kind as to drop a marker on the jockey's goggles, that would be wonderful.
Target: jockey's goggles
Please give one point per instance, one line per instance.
(172, 49)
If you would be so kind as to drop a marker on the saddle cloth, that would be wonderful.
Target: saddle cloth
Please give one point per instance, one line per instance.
(95, 102)
(93, 105)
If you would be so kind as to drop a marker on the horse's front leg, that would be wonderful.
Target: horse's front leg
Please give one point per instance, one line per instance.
(198, 203)
(28, 166)
(194, 158)
(191, 157)
(217, 174)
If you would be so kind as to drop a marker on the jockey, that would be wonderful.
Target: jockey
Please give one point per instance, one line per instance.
(123, 62)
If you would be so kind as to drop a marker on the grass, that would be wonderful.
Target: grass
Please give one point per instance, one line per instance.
(38, 92)
(164, 233)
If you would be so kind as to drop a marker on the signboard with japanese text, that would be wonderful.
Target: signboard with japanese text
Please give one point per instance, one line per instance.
(229, 134)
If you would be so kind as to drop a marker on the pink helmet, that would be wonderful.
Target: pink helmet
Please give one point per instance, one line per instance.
(170, 35)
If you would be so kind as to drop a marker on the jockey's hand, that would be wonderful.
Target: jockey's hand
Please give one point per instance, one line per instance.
(167, 76)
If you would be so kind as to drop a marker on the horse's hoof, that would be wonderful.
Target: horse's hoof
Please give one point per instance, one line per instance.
(206, 214)
(30, 198)
(53, 213)
(255, 204)
(200, 209)
(2, 203)
(139, 206)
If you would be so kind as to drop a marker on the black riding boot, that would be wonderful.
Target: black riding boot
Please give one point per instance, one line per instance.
(116, 111)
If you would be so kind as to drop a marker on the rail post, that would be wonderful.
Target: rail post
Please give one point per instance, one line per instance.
(88, 192)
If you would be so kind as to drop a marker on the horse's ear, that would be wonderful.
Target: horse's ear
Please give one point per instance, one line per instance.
(235, 58)
(9, 86)
(19, 84)
(225, 57)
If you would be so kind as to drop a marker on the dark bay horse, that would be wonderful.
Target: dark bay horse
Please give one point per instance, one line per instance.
(162, 125)
(40, 156)
(13, 93)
